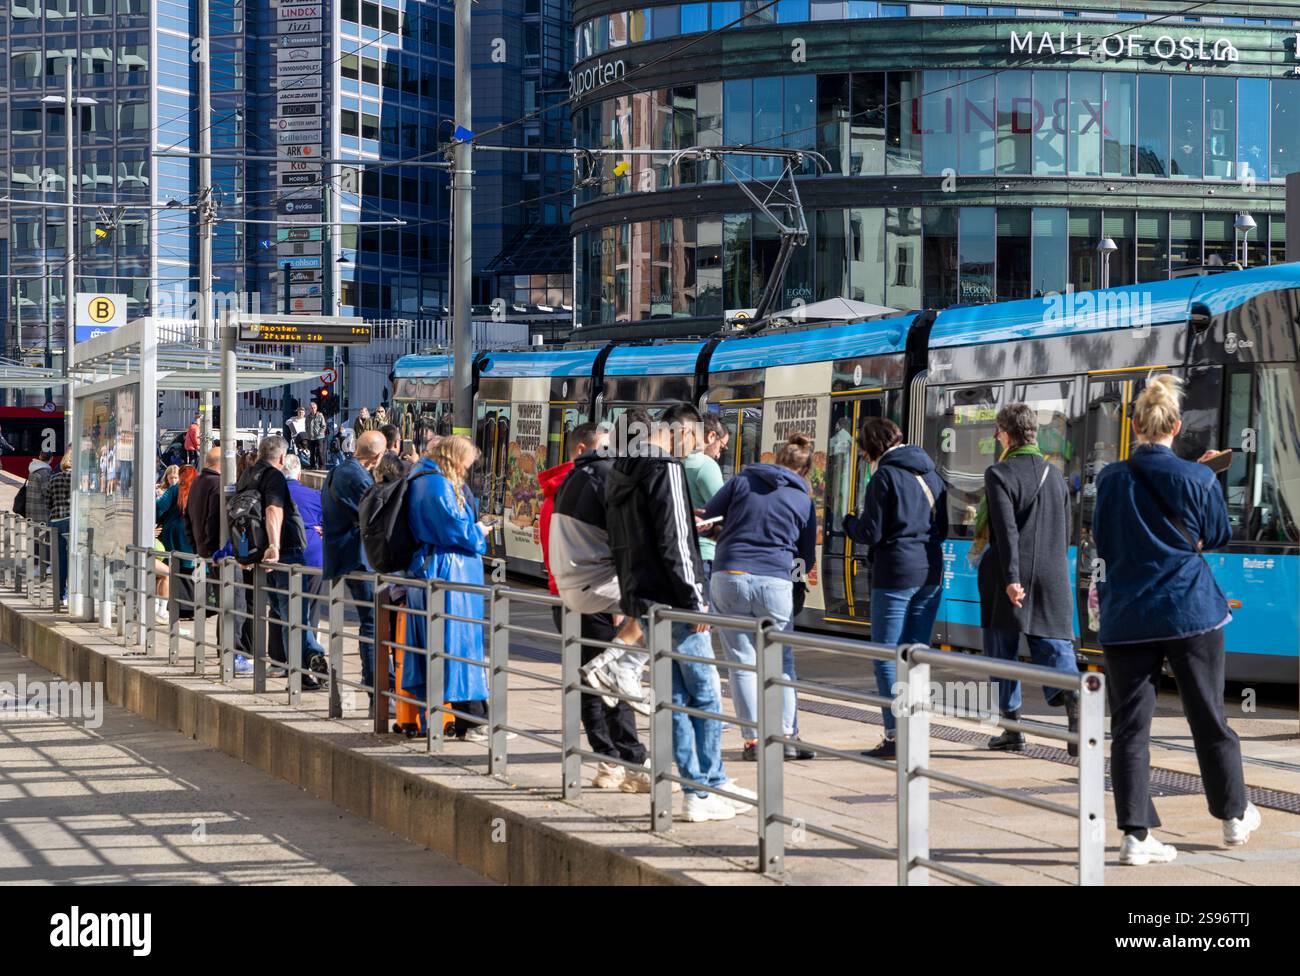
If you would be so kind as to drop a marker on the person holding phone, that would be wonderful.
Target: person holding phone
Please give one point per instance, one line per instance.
(769, 526)
(1155, 515)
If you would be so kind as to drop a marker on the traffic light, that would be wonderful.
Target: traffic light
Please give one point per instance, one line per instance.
(326, 400)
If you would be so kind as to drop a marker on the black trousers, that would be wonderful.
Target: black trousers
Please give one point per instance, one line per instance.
(1132, 680)
(610, 731)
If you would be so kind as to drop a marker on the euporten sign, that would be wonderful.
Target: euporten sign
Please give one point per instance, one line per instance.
(587, 79)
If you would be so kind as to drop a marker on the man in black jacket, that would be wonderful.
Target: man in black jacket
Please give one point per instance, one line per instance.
(582, 568)
(1024, 577)
(657, 557)
(204, 508)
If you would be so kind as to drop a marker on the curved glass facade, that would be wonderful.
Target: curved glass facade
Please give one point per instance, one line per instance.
(903, 257)
(610, 32)
(968, 122)
(968, 160)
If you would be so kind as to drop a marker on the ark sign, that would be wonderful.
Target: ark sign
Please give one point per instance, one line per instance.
(1166, 47)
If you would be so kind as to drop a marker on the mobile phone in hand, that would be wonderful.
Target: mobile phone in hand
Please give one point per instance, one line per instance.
(1220, 462)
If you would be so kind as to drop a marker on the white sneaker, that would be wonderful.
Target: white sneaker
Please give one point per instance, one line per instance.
(731, 786)
(160, 614)
(609, 776)
(477, 733)
(698, 809)
(648, 780)
(1237, 831)
(637, 781)
(597, 676)
(625, 681)
(1149, 851)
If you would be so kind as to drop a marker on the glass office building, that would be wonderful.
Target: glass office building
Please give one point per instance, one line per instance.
(383, 74)
(967, 153)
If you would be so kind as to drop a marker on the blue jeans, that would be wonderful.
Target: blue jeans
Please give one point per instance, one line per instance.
(60, 527)
(900, 616)
(697, 742)
(363, 591)
(743, 595)
(1050, 652)
(279, 604)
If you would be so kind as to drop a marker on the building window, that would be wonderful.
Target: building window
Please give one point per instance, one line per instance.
(940, 262)
(1085, 123)
(1119, 115)
(1220, 127)
(1051, 250)
(1015, 122)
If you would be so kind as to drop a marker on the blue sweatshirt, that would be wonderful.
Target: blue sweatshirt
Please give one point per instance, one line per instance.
(769, 521)
(897, 522)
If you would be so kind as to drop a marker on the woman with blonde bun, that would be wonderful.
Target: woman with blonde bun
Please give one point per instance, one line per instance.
(1155, 514)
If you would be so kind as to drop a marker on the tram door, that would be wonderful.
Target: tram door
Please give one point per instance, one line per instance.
(488, 478)
(1107, 437)
(844, 570)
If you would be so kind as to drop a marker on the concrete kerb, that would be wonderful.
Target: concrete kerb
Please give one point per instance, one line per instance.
(509, 834)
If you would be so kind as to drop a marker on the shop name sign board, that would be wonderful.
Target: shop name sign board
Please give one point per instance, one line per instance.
(1166, 47)
(583, 80)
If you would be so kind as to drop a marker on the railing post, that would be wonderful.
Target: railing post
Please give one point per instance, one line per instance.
(383, 652)
(293, 635)
(133, 597)
(912, 712)
(173, 611)
(659, 638)
(498, 681)
(199, 577)
(259, 629)
(105, 594)
(147, 579)
(435, 646)
(20, 557)
(32, 573)
(56, 565)
(228, 626)
(336, 609)
(771, 763)
(88, 563)
(1092, 779)
(570, 704)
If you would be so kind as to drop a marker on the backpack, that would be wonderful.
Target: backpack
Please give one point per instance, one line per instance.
(384, 519)
(20, 501)
(247, 525)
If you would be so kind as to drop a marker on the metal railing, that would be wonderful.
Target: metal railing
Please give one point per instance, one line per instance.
(242, 602)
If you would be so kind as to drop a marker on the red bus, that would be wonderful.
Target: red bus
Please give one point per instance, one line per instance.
(27, 431)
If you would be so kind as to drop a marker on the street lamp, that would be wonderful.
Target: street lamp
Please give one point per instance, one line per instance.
(69, 102)
(1105, 248)
(1244, 224)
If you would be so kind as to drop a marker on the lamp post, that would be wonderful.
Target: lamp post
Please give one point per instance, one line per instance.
(69, 269)
(1105, 248)
(1243, 225)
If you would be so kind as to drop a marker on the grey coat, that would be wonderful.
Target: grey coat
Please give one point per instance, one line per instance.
(1029, 542)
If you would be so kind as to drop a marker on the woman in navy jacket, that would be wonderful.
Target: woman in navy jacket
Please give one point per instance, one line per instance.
(1154, 516)
(904, 521)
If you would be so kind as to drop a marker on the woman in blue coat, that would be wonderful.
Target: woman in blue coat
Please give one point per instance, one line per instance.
(444, 523)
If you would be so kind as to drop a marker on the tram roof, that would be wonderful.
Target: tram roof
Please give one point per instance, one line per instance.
(1151, 303)
(786, 348)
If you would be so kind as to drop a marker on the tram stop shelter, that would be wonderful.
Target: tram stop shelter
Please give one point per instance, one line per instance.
(113, 428)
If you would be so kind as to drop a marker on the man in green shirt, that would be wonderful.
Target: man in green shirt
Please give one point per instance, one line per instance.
(704, 479)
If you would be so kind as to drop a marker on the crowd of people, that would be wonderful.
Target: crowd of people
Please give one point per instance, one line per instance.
(640, 515)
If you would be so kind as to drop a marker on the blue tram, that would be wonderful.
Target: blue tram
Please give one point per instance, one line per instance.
(1079, 359)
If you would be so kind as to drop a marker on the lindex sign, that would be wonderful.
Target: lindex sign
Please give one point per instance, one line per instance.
(299, 11)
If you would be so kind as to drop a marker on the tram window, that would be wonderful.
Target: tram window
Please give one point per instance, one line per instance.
(839, 464)
(963, 426)
(1263, 483)
(1202, 391)
(562, 424)
(745, 426)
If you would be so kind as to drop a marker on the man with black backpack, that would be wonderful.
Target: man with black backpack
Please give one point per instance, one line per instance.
(265, 527)
(341, 497)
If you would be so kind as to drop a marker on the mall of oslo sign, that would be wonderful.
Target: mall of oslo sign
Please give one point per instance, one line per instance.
(1166, 47)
